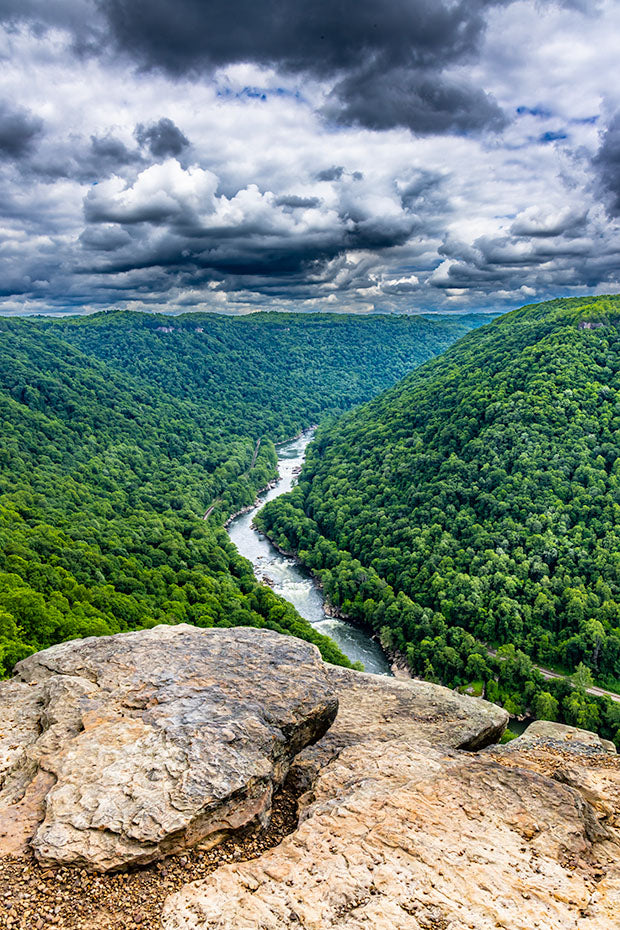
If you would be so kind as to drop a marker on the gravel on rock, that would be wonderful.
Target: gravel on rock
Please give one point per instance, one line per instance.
(36, 898)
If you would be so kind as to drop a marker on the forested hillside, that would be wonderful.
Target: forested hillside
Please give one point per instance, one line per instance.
(119, 431)
(476, 506)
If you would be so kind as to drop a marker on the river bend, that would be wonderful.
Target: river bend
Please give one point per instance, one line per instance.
(289, 579)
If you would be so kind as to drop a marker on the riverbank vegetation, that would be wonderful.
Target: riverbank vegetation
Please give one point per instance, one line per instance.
(121, 430)
(475, 507)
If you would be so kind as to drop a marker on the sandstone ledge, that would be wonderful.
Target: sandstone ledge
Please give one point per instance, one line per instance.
(377, 708)
(419, 837)
(563, 737)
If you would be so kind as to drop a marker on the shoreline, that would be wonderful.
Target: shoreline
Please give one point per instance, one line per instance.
(249, 507)
(270, 484)
(396, 661)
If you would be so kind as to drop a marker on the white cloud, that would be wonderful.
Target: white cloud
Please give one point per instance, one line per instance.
(277, 207)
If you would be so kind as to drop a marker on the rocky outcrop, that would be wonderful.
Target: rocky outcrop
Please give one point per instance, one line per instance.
(418, 837)
(545, 732)
(398, 829)
(118, 750)
(377, 708)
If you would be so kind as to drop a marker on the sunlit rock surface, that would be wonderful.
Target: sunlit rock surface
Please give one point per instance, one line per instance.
(373, 707)
(399, 830)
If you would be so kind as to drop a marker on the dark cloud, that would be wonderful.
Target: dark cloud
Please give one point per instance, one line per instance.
(320, 38)
(110, 149)
(532, 265)
(83, 160)
(607, 165)
(331, 174)
(64, 13)
(19, 130)
(105, 238)
(297, 203)
(337, 172)
(566, 222)
(162, 138)
(178, 219)
(249, 251)
(422, 102)
(78, 17)
(387, 61)
(421, 189)
(155, 213)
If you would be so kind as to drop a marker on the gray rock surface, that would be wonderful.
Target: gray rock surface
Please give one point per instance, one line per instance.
(374, 707)
(542, 731)
(118, 750)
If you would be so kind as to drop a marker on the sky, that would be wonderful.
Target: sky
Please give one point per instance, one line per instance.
(315, 155)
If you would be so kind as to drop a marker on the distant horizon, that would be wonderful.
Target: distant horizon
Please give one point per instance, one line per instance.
(292, 310)
(175, 314)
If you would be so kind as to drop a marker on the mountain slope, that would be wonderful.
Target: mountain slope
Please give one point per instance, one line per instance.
(120, 430)
(478, 501)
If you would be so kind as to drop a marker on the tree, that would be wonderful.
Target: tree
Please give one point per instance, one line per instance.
(545, 706)
(582, 678)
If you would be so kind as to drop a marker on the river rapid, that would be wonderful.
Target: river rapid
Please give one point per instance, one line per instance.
(289, 579)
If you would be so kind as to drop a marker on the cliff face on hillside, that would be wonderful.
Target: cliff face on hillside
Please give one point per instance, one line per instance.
(125, 748)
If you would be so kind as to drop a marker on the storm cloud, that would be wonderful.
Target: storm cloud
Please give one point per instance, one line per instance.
(423, 101)
(321, 38)
(19, 130)
(386, 62)
(162, 138)
(233, 156)
(607, 164)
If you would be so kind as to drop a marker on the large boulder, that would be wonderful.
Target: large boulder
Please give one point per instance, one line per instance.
(410, 835)
(560, 736)
(118, 750)
(374, 707)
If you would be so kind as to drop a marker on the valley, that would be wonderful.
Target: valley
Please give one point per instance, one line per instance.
(122, 431)
(476, 505)
(464, 516)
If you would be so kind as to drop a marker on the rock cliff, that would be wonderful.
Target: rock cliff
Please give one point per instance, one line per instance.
(120, 750)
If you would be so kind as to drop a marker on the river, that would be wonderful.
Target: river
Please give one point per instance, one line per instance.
(289, 579)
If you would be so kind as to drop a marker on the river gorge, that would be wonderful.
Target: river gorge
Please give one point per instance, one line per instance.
(289, 579)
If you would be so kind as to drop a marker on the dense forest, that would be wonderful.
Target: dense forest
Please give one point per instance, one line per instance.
(470, 515)
(121, 430)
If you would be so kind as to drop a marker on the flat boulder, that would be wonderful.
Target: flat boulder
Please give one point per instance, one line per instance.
(119, 750)
(378, 708)
(543, 732)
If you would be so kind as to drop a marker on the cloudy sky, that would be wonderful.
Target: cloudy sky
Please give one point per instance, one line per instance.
(235, 155)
